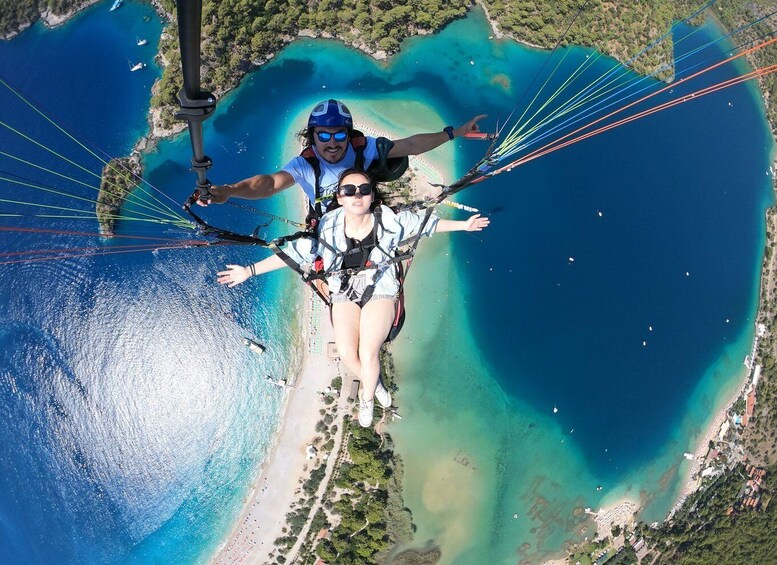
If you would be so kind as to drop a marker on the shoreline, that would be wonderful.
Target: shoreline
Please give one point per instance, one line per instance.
(259, 524)
(692, 479)
(55, 20)
(620, 513)
(625, 511)
(51, 20)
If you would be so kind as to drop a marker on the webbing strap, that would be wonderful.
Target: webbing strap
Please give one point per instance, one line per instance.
(418, 236)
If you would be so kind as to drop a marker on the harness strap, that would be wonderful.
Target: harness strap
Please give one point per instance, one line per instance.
(411, 252)
(291, 263)
(310, 281)
(314, 207)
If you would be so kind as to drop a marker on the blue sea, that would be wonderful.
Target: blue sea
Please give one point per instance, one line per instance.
(618, 284)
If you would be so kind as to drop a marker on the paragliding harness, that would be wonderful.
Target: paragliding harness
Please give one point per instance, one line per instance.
(317, 276)
(384, 169)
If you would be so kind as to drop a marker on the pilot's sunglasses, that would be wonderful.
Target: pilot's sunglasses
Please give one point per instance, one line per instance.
(350, 189)
(324, 136)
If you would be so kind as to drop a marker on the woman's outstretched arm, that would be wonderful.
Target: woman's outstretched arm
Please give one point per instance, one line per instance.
(236, 274)
(474, 223)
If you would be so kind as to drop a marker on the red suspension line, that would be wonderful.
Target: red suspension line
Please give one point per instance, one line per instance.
(90, 234)
(688, 97)
(75, 255)
(80, 250)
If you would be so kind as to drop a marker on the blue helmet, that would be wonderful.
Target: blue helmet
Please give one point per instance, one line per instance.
(330, 113)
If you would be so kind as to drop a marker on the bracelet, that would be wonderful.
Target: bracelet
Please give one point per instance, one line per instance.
(449, 131)
(252, 269)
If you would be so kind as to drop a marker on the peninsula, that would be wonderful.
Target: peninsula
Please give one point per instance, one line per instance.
(118, 179)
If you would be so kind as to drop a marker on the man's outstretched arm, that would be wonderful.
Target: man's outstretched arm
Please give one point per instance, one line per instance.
(423, 142)
(254, 188)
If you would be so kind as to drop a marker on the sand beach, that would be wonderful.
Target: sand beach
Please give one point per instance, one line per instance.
(263, 516)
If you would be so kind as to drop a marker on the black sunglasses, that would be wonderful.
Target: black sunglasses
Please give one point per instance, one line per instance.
(324, 136)
(350, 189)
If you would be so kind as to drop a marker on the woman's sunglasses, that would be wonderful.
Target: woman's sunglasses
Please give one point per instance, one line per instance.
(324, 136)
(350, 189)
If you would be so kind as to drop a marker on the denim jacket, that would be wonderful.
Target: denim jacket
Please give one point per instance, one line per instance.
(392, 229)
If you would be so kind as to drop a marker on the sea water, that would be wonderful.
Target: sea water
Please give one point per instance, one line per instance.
(134, 420)
(606, 309)
(133, 417)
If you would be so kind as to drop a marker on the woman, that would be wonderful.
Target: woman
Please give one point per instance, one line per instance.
(356, 241)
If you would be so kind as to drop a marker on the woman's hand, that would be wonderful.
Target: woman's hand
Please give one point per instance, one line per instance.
(476, 223)
(234, 275)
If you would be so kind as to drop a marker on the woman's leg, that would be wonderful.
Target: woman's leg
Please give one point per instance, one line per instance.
(345, 321)
(377, 316)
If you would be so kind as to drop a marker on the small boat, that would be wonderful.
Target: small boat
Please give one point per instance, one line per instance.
(253, 346)
(280, 383)
(142, 41)
(116, 5)
(555, 410)
(137, 66)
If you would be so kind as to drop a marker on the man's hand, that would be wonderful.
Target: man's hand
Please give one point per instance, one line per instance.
(218, 195)
(470, 127)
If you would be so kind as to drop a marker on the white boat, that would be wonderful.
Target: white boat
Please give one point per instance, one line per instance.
(142, 41)
(280, 383)
(253, 346)
(117, 4)
(137, 66)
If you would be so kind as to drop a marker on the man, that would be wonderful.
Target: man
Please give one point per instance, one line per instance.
(333, 146)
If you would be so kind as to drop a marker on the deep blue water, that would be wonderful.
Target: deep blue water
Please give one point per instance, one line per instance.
(132, 421)
(684, 190)
(132, 416)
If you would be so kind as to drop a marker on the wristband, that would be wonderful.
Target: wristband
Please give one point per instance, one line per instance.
(252, 269)
(449, 131)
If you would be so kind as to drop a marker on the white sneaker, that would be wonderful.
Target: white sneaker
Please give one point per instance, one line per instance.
(365, 412)
(383, 395)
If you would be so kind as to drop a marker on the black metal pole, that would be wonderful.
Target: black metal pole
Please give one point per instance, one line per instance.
(196, 105)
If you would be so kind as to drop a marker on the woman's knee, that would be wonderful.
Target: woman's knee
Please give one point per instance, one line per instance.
(348, 352)
(369, 355)
(347, 349)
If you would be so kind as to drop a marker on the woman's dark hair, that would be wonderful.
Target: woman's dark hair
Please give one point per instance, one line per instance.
(377, 196)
